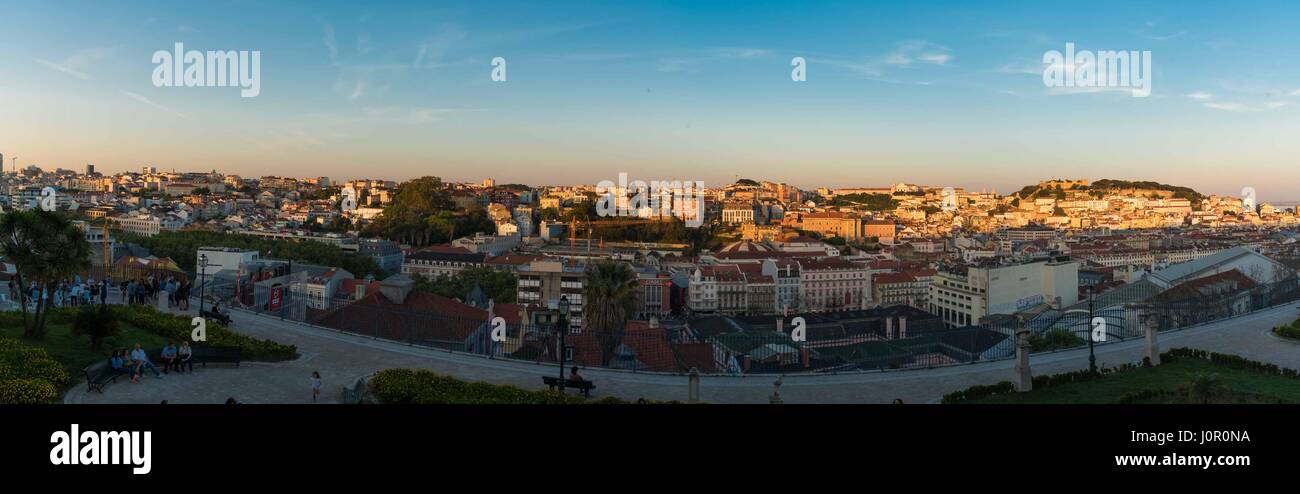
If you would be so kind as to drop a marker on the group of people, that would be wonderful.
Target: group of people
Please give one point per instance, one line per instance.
(146, 291)
(75, 292)
(71, 292)
(136, 361)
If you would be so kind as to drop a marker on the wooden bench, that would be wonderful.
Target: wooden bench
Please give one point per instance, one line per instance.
(100, 374)
(224, 319)
(355, 395)
(583, 386)
(217, 354)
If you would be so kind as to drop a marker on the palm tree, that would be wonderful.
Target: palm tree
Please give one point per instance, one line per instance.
(46, 247)
(609, 301)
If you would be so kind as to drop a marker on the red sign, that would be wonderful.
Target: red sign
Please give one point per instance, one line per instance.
(277, 297)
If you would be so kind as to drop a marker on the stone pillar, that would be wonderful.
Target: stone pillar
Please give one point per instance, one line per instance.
(1153, 347)
(1024, 377)
(693, 386)
(889, 328)
(902, 327)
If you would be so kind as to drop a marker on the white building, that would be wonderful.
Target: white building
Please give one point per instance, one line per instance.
(961, 299)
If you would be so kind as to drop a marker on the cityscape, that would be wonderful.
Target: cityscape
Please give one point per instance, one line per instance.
(774, 280)
(321, 230)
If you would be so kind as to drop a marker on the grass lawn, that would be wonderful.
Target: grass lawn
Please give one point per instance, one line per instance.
(74, 352)
(1167, 377)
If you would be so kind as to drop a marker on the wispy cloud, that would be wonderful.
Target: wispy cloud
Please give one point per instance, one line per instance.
(1150, 30)
(675, 65)
(587, 57)
(364, 45)
(434, 48)
(389, 115)
(331, 43)
(81, 60)
(63, 68)
(149, 102)
(919, 51)
(1200, 95)
(741, 53)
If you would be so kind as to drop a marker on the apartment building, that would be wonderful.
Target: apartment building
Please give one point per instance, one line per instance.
(962, 295)
(445, 261)
(718, 289)
(834, 224)
(911, 288)
(543, 282)
(834, 284)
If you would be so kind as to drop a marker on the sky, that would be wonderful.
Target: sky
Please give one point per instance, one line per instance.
(935, 93)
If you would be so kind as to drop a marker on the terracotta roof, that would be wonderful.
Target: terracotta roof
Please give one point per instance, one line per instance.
(421, 316)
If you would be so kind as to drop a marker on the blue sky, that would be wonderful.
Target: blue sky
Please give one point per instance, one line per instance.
(941, 93)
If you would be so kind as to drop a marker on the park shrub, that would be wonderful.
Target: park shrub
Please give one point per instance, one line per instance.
(1288, 330)
(28, 374)
(1056, 339)
(27, 391)
(178, 328)
(424, 387)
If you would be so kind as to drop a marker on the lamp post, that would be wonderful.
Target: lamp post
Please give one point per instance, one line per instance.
(562, 327)
(203, 267)
(1092, 356)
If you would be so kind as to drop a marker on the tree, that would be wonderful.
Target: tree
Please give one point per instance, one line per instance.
(609, 301)
(97, 322)
(422, 213)
(45, 247)
(500, 286)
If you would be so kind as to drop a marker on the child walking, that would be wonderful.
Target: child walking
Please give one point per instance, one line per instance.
(315, 385)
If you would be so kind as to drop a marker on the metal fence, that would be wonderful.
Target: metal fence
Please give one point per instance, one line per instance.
(835, 342)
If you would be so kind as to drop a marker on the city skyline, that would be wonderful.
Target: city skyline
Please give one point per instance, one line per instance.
(939, 94)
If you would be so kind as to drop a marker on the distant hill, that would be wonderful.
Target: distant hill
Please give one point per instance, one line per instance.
(1104, 186)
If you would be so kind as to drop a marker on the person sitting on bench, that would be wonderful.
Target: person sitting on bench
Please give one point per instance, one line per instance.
(573, 375)
(141, 361)
(169, 357)
(120, 365)
(183, 355)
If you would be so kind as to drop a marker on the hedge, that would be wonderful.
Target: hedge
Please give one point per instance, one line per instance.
(178, 328)
(424, 387)
(1224, 359)
(28, 374)
(1045, 381)
(1232, 361)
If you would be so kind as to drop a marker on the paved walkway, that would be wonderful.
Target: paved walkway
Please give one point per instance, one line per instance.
(342, 359)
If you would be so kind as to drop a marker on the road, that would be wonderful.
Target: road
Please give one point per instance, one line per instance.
(343, 358)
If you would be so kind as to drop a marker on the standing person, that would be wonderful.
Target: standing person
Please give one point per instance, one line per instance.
(185, 295)
(315, 385)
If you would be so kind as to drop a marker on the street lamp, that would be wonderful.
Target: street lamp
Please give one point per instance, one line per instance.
(1092, 356)
(203, 267)
(562, 327)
